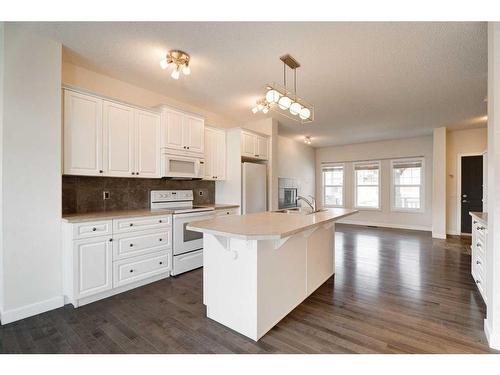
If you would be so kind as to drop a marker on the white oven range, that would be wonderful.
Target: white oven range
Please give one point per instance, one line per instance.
(187, 245)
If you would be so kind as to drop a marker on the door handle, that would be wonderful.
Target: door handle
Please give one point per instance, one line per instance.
(464, 201)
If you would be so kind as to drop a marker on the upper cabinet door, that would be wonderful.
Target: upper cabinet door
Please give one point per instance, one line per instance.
(248, 144)
(209, 153)
(173, 130)
(220, 155)
(119, 139)
(82, 134)
(194, 134)
(147, 148)
(262, 148)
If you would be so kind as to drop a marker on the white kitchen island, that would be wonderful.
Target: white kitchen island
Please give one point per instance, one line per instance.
(259, 267)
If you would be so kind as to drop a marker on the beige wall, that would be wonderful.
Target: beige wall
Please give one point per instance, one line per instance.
(297, 160)
(410, 147)
(469, 141)
(82, 78)
(31, 180)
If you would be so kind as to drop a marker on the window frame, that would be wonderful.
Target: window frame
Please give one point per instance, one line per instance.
(355, 186)
(333, 165)
(421, 186)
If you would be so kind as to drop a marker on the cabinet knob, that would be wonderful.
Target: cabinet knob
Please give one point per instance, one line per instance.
(474, 222)
(160, 239)
(94, 229)
(161, 263)
(137, 173)
(131, 245)
(478, 244)
(100, 171)
(110, 240)
(131, 271)
(133, 173)
(160, 221)
(478, 262)
(187, 147)
(478, 281)
(184, 147)
(227, 213)
(131, 224)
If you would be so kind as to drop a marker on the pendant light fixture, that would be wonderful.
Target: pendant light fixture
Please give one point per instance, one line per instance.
(180, 60)
(284, 101)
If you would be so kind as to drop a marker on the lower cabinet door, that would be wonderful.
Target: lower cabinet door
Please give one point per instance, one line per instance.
(127, 271)
(93, 266)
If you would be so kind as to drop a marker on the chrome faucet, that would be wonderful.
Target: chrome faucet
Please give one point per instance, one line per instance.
(311, 203)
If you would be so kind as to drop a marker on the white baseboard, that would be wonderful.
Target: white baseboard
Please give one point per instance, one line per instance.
(386, 225)
(10, 316)
(492, 337)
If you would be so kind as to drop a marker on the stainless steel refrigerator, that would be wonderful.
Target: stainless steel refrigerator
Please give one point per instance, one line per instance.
(254, 187)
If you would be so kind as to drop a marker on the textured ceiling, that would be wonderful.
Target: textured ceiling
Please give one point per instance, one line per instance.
(368, 81)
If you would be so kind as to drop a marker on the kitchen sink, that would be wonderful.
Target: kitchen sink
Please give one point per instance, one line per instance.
(299, 211)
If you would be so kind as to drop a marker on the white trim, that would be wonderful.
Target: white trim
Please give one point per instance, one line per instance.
(326, 166)
(492, 337)
(36, 308)
(459, 186)
(386, 225)
(355, 185)
(420, 210)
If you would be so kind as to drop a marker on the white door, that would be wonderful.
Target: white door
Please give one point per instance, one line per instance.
(210, 149)
(262, 148)
(194, 134)
(119, 153)
(93, 263)
(248, 143)
(173, 130)
(82, 134)
(147, 159)
(220, 155)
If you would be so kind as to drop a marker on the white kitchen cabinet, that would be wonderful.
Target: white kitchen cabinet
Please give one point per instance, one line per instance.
(107, 257)
(119, 139)
(215, 154)
(478, 253)
(106, 138)
(182, 132)
(82, 134)
(93, 264)
(254, 146)
(147, 144)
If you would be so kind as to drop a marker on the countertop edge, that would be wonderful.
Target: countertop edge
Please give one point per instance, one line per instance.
(480, 216)
(275, 236)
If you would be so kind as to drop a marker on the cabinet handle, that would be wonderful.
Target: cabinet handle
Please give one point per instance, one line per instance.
(133, 173)
(478, 244)
(160, 239)
(110, 240)
(137, 173)
(161, 263)
(187, 147)
(184, 147)
(478, 281)
(227, 213)
(480, 228)
(131, 245)
(160, 221)
(94, 229)
(131, 271)
(131, 224)
(100, 171)
(474, 222)
(478, 262)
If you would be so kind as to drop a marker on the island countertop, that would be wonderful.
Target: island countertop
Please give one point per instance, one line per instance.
(267, 225)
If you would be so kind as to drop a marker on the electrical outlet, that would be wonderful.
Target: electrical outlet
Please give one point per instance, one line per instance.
(105, 195)
(201, 193)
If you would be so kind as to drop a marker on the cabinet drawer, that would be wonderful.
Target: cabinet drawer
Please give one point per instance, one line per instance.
(92, 229)
(141, 223)
(479, 279)
(139, 243)
(229, 211)
(479, 246)
(127, 271)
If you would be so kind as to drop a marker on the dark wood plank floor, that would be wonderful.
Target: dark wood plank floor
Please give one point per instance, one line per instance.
(394, 292)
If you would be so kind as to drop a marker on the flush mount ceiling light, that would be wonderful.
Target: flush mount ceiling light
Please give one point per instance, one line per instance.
(307, 140)
(284, 101)
(180, 61)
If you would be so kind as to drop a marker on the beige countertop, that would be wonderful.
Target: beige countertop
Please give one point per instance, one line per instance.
(108, 215)
(220, 206)
(267, 225)
(481, 216)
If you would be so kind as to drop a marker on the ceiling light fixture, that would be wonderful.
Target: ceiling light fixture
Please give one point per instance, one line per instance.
(181, 61)
(307, 140)
(284, 101)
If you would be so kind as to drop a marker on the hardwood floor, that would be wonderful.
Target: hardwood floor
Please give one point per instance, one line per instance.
(394, 291)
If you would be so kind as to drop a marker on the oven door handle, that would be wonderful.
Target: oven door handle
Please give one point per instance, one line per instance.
(210, 214)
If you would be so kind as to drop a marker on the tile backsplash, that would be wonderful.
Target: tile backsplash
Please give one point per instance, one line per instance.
(81, 194)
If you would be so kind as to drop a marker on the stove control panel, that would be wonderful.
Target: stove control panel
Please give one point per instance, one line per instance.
(171, 195)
